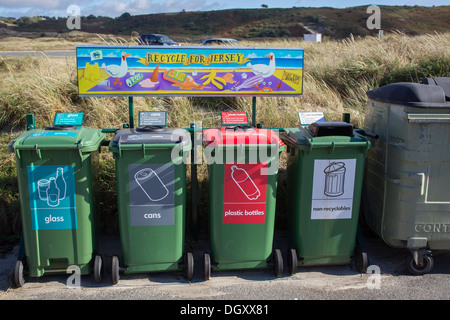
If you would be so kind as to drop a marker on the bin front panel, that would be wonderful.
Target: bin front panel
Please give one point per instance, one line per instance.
(242, 203)
(151, 198)
(63, 234)
(244, 195)
(239, 236)
(408, 173)
(52, 197)
(324, 190)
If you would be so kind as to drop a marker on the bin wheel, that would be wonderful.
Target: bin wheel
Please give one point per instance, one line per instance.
(189, 266)
(115, 270)
(98, 269)
(207, 266)
(427, 265)
(361, 261)
(292, 261)
(277, 263)
(19, 278)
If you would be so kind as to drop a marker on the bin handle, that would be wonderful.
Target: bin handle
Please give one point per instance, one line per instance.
(50, 147)
(144, 147)
(333, 145)
(422, 185)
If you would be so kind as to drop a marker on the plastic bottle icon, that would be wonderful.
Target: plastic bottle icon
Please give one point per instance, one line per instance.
(151, 184)
(53, 194)
(245, 183)
(61, 183)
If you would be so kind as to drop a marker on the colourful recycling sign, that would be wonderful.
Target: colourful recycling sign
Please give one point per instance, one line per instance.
(189, 71)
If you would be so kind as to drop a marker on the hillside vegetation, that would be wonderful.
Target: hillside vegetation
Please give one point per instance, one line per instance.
(249, 23)
(337, 76)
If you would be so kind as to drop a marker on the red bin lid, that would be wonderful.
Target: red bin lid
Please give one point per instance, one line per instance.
(238, 135)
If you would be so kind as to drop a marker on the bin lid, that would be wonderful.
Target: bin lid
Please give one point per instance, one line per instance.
(60, 137)
(411, 94)
(302, 137)
(151, 135)
(443, 82)
(238, 135)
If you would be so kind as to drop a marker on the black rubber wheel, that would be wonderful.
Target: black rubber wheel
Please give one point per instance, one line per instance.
(19, 278)
(189, 266)
(427, 265)
(98, 269)
(292, 261)
(277, 263)
(115, 270)
(361, 261)
(207, 266)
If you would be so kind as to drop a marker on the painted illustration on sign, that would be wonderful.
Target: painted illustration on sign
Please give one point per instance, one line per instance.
(151, 194)
(244, 199)
(213, 71)
(52, 197)
(333, 187)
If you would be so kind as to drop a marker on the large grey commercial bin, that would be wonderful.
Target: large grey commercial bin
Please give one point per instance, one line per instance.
(406, 193)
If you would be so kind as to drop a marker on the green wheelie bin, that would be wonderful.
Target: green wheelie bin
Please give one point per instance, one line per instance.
(56, 169)
(151, 194)
(325, 174)
(243, 171)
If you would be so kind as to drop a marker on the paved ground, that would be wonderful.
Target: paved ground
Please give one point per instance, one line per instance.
(324, 282)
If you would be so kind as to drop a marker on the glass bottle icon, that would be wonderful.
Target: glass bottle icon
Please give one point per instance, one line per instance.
(53, 194)
(43, 185)
(61, 183)
(245, 183)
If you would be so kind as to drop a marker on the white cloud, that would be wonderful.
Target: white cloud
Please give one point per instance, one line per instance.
(115, 8)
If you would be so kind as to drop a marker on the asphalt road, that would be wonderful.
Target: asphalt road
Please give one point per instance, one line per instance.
(309, 283)
(49, 54)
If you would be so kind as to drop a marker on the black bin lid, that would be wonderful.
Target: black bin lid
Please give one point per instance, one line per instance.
(410, 94)
(323, 129)
(443, 82)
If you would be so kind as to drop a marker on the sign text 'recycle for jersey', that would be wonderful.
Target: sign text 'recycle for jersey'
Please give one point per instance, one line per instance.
(189, 71)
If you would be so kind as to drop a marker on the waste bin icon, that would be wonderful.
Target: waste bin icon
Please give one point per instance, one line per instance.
(334, 179)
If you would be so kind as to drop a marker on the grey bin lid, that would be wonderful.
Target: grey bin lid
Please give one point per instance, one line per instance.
(411, 94)
(154, 135)
(443, 82)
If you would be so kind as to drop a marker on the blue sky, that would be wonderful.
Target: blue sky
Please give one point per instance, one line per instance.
(114, 8)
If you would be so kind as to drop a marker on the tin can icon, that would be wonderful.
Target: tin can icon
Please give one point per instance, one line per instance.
(245, 183)
(131, 81)
(151, 184)
(334, 179)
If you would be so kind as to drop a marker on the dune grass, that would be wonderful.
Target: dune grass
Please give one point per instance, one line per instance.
(336, 78)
